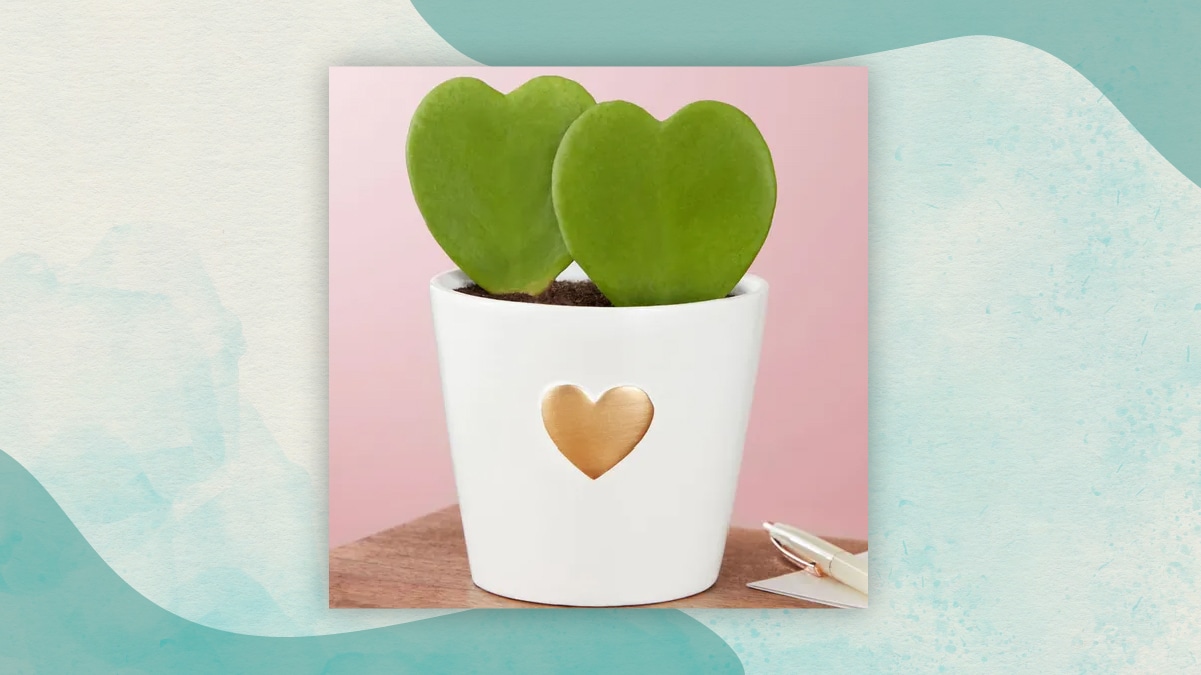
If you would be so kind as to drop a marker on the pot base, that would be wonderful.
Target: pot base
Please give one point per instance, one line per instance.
(559, 601)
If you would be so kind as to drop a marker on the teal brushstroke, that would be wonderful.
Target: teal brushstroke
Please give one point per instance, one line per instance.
(63, 610)
(1144, 56)
(120, 390)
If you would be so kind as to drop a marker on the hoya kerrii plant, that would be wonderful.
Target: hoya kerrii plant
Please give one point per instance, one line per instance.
(515, 186)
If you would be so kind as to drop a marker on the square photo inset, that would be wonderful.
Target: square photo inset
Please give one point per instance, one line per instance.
(598, 337)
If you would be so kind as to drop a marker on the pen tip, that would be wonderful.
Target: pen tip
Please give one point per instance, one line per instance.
(768, 525)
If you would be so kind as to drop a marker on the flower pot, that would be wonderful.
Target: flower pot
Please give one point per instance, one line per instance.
(650, 529)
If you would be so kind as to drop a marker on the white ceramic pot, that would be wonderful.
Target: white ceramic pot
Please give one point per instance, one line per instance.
(653, 527)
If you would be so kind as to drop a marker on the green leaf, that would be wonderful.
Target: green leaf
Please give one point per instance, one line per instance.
(479, 163)
(664, 212)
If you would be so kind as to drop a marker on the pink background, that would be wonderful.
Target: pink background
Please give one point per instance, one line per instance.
(805, 461)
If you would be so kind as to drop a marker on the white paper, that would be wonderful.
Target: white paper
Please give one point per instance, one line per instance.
(806, 586)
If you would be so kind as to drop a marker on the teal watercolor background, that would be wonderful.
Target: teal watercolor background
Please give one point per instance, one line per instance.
(1034, 429)
(1035, 434)
(1143, 56)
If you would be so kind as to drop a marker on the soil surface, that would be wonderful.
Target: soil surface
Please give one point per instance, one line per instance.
(572, 293)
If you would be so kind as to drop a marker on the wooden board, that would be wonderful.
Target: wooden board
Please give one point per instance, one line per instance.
(423, 564)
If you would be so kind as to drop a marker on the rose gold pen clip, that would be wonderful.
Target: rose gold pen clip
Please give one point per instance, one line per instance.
(805, 565)
(818, 556)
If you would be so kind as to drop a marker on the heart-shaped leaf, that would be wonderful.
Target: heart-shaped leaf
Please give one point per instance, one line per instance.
(479, 163)
(664, 212)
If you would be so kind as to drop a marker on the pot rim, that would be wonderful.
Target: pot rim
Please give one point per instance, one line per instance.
(447, 283)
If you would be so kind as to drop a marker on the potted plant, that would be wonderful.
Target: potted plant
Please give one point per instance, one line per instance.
(596, 412)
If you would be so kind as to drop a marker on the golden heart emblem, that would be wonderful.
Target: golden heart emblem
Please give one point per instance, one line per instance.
(595, 436)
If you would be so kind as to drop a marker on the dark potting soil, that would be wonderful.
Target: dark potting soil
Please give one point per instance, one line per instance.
(573, 293)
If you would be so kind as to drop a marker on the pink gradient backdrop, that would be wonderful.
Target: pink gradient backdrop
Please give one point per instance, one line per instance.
(806, 452)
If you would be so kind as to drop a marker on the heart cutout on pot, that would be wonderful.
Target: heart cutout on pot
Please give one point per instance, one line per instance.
(479, 164)
(664, 212)
(595, 436)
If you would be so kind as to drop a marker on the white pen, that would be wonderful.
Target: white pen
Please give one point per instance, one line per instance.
(818, 556)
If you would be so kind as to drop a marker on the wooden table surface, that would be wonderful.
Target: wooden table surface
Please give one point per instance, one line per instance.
(423, 564)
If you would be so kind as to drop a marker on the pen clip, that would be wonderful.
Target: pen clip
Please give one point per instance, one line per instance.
(805, 565)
